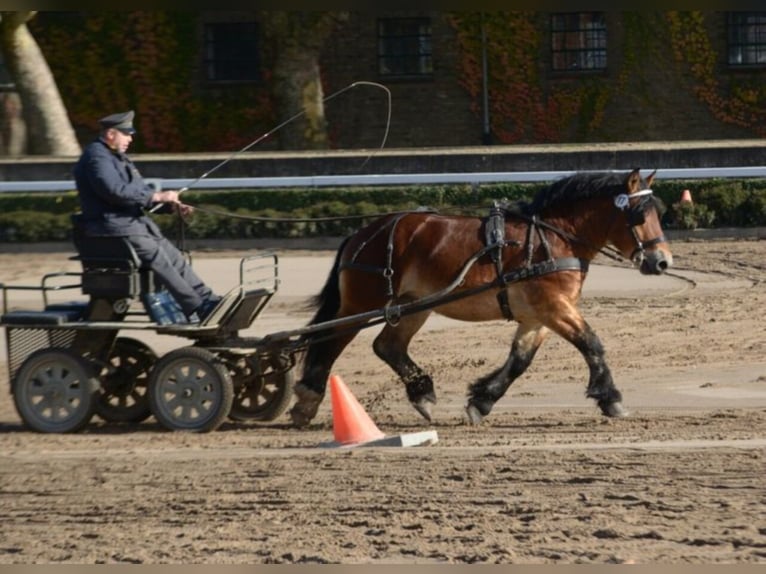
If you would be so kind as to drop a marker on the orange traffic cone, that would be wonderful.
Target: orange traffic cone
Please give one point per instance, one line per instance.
(350, 422)
(686, 196)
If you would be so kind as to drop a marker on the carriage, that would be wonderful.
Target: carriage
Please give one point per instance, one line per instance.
(525, 263)
(70, 361)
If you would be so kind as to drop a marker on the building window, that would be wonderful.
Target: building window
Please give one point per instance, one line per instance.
(404, 47)
(578, 41)
(231, 52)
(747, 38)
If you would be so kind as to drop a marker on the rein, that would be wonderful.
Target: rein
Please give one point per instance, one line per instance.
(392, 312)
(493, 246)
(621, 202)
(636, 217)
(494, 243)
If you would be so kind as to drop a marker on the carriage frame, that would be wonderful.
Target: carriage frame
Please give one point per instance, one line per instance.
(70, 361)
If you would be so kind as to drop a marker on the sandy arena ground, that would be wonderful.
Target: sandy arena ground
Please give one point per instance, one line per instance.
(545, 479)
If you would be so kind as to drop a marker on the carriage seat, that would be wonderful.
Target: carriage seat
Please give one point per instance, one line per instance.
(38, 318)
(111, 268)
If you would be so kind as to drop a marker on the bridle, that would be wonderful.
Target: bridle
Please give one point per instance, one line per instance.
(636, 215)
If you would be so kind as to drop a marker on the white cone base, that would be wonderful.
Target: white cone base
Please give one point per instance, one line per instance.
(424, 438)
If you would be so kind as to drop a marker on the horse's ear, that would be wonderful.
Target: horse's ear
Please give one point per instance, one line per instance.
(634, 180)
(650, 179)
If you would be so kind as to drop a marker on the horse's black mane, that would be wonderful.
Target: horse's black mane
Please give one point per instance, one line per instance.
(576, 187)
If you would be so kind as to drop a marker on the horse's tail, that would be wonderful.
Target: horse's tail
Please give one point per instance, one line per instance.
(327, 301)
(327, 304)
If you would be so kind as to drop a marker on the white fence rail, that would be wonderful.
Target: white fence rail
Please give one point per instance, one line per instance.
(385, 179)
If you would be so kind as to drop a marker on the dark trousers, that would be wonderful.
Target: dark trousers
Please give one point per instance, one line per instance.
(171, 269)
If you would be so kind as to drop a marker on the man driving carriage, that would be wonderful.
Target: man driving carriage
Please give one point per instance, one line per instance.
(114, 200)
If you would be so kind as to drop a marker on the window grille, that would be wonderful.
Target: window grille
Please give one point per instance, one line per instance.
(404, 47)
(578, 41)
(746, 33)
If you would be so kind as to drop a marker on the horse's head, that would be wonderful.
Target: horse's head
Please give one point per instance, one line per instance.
(636, 230)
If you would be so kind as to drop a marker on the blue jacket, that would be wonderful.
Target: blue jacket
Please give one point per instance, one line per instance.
(112, 193)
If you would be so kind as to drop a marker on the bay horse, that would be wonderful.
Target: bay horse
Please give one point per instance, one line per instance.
(525, 261)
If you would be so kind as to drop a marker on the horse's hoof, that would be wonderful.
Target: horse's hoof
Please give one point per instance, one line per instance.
(614, 410)
(474, 416)
(306, 407)
(299, 418)
(424, 406)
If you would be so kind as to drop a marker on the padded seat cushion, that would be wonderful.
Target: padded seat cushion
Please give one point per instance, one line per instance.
(23, 318)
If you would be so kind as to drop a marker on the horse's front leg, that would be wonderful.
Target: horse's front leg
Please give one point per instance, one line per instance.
(391, 346)
(571, 326)
(484, 393)
(601, 386)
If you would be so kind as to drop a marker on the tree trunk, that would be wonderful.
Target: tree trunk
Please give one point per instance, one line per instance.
(297, 38)
(298, 88)
(49, 130)
(13, 130)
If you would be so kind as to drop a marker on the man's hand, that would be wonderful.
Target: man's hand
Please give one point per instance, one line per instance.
(184, 209)
(171, 196)
(168, 196)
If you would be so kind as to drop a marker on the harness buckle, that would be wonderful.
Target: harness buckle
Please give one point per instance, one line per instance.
(392, 314)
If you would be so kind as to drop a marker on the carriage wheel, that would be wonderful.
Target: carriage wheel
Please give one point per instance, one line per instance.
(189, 389)
(55, 391)
(266, 392)
(124, 382)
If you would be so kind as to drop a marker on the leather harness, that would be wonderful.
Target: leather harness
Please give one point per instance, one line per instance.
(494, 237)
(495, 243)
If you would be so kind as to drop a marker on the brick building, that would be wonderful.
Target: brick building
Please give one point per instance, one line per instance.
(455, 78)
(648, 84)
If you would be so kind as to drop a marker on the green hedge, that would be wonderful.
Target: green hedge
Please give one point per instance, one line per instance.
(318, 212)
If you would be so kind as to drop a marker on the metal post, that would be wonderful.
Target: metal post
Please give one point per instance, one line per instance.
(486, 136)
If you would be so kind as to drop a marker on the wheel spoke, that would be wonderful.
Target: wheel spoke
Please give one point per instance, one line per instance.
(180, 374)
(174, 402)
(61, 411)
(43, 405)
(266, 393)
(54, 390)
(124, 394)
(36, 389)
(249, 398)
(207, 394)
(189, 389)
(187, 412)
(44, 377)
(170, 386)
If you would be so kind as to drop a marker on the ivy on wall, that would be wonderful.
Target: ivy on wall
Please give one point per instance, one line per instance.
(523, 107)
(741, 100)
(149, 61)
(526, 106)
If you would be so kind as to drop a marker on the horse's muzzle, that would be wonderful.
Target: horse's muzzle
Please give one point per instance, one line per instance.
(655, 262)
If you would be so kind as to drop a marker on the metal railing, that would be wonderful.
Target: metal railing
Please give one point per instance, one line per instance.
(384, 179)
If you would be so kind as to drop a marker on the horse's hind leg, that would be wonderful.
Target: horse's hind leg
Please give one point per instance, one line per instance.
(484, 393)
(317, 363)
(391, 346)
